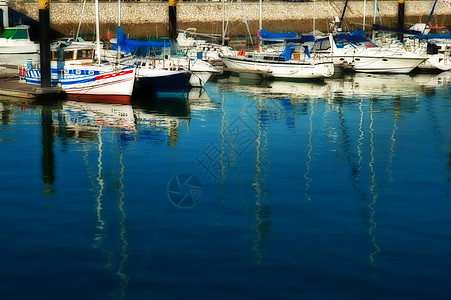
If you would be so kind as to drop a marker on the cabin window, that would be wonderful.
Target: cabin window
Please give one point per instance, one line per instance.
(84, 53)
(68, 55)
(78, 72)
(91, 72)
(321, 44)
(16, 34)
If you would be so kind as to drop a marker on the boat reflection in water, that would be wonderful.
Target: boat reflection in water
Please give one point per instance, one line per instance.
(349, 113)
(84, 115)
(349, 85)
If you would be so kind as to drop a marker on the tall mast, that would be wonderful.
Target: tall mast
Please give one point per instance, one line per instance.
(97, 31)
(260, 24)
(223, 22)
(118, 54)
(364, 13)
(374, 20)
(314, 17)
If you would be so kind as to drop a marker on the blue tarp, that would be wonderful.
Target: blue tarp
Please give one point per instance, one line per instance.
(131, 46)
(278, 37)
(433, 36)
(351, 37)
(288, 50)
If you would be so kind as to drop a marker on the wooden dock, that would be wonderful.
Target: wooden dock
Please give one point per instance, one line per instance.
(11, 86)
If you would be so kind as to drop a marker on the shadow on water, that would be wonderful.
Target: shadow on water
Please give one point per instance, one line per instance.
(171, 106)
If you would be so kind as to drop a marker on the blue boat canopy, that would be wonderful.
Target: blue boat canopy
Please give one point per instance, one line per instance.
(278, 37)
(286, 54)
(432, 36)
(352, 37)
(132, 46)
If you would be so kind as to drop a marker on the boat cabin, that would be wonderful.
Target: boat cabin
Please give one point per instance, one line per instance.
(16, 33)
(71, 54)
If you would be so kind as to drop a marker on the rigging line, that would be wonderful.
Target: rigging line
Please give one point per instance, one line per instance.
(430, 16)
(81, 19)
(245, 22)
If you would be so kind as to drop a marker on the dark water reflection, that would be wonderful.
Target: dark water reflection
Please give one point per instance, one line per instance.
(333, 190)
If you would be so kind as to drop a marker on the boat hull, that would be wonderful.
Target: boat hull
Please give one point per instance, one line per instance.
(18, 48)
(154, 82)
(436, 62)
(371, 64)
(103, 83)
(376, 60)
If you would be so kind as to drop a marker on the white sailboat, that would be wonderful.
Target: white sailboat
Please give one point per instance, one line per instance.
(293, 63)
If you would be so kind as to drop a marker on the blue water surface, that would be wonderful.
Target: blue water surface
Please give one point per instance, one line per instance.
(334, 190)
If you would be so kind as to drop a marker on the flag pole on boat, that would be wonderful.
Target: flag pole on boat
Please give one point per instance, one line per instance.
(118, 54)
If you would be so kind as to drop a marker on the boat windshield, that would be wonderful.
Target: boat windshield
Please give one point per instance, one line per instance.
(321, 44)
(355, 39)
(16, 34)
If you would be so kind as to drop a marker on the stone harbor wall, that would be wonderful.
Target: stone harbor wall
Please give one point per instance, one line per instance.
(150, 19)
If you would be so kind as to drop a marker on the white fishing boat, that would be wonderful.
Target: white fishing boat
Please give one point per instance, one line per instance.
(74, 70)
(16, 40)
(294, 63)
(354, 52)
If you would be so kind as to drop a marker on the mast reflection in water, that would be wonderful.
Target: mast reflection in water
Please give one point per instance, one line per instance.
(320, 190)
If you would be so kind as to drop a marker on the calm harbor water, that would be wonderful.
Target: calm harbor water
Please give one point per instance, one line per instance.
(338, 190)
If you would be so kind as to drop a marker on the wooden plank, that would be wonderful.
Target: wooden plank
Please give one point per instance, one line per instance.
(11, 86)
